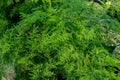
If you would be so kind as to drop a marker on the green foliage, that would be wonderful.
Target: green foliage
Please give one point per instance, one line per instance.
(114, 10)
(57, 40)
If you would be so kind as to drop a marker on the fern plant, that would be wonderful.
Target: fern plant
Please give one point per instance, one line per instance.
(58, 40)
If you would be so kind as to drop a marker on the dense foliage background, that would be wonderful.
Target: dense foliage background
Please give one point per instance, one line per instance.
(59, 40)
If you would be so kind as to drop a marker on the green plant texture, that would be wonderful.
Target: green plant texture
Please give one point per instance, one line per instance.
(59, 40)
